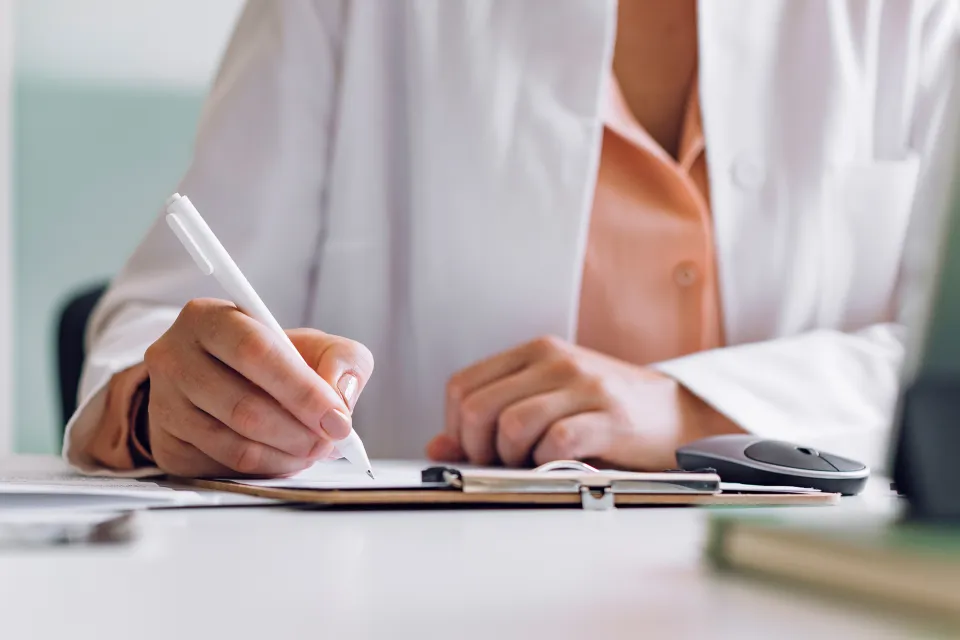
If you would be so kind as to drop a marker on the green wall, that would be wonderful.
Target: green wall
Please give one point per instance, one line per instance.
(92, 165)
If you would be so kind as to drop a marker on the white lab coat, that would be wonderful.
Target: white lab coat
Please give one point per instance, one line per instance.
(418, 175)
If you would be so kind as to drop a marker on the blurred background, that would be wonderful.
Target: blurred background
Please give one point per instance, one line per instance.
(106, 96)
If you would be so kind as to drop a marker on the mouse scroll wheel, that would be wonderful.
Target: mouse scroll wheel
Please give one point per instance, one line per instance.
(787, 455)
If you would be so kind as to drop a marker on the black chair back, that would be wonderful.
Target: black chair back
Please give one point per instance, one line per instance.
(71, 329)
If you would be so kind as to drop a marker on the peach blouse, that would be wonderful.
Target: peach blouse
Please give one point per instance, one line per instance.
(649, 288)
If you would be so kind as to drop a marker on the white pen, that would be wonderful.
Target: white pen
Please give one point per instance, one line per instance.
(206, 250)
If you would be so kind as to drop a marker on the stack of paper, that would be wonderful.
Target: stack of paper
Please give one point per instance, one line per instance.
(49, 490)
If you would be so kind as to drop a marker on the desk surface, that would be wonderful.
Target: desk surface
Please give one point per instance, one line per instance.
(274, 572)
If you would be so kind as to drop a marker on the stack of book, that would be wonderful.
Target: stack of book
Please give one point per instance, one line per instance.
(909, 566)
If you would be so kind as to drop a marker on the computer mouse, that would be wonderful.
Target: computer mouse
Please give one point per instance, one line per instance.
(749, 459)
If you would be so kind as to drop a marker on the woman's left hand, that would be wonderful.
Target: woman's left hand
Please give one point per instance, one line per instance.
(551, 400)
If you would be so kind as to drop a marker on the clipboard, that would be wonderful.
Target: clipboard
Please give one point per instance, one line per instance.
(563, 483)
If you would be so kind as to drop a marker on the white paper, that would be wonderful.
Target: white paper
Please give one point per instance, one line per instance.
(341, 474)
(759, 488)
(44, 489)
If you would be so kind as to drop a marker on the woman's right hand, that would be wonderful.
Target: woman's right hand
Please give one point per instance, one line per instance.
(226, 399)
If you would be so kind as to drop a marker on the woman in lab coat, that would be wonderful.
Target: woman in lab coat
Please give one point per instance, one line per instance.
(563, 228)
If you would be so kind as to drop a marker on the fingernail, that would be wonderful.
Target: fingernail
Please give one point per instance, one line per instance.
(349, 388)
(336, 423)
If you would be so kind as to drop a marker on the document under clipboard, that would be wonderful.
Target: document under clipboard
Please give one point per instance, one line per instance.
(562, 483)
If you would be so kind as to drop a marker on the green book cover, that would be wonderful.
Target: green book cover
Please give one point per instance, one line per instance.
(858, 533)
(884, 564)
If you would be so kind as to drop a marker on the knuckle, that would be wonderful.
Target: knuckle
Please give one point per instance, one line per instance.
(596, 386)
(253, 348)
(154, 355)
(455, 387)
(307, 397)
(247, 457)
(562, 440)
(567, 368)
(247, 416)
(471, 413)
(547, 345)
(161, 360)
(215, 317)
(193, 309)
(511, 425)
(197, 308)
(202, 318)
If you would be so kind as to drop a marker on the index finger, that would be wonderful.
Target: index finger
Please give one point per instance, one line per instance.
(259, 355)
(468, 380)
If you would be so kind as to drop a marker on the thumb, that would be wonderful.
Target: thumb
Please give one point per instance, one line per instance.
(346, 365)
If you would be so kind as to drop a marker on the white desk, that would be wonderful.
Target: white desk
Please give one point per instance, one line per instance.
(276, 574)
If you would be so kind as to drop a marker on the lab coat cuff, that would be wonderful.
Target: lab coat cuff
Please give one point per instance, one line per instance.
(88, 414)
(735, 381)
(733, 400)
(124, 344)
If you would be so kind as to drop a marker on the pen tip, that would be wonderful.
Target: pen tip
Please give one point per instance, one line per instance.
(370, 473)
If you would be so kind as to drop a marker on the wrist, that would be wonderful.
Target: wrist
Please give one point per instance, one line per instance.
(700, 420)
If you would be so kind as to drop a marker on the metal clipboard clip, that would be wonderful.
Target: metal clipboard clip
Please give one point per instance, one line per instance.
(598, 499)
(597, 488)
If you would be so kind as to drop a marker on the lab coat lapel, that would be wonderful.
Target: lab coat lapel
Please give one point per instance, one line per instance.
(506, 229)
(738, 42)
(461, 234)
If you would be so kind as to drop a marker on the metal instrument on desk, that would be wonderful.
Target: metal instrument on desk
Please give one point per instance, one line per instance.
(35, 531)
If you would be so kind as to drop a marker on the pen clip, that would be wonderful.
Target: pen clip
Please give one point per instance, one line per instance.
(176, 224)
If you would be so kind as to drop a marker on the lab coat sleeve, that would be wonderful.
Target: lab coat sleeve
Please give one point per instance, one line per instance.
(257, 176)
(826, 389)
(838, 390)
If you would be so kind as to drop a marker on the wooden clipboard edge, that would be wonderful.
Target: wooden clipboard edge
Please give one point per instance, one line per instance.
(399, 497)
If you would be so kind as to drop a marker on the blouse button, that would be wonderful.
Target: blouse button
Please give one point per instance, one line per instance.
(686, 274)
